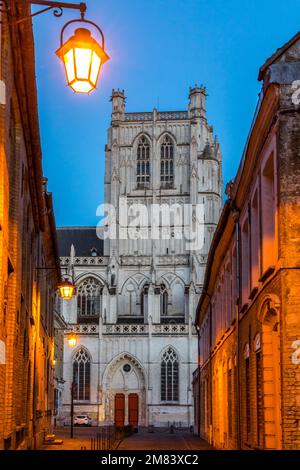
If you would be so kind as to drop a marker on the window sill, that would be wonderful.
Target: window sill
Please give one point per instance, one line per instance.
(253, 292)
(142, 187)
(170, 403)
(244, 307)
(268, 272)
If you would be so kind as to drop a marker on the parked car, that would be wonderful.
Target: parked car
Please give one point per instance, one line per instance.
(82, 420)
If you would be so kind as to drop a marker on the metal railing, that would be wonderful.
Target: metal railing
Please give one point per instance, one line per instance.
(105, 438)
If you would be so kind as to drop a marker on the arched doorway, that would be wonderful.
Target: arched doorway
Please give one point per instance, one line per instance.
(125, 392)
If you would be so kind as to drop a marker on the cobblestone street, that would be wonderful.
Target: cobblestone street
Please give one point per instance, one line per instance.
(143, 440)
(163, 440)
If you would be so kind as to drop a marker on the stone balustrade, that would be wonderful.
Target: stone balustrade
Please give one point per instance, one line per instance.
(86, 261)
(159, 116)
(85, 329)
(132, 329)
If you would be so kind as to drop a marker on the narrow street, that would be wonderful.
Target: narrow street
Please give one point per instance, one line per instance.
(143, 440)
(163, 440)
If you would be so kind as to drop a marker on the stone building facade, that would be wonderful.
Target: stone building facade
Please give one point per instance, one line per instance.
(136, 296)
(248, 378)
(27, 244)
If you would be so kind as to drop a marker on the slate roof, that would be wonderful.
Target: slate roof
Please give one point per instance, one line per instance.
(84, 240)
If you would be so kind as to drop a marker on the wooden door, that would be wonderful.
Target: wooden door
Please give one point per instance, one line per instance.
(119, 409)
(133, 409)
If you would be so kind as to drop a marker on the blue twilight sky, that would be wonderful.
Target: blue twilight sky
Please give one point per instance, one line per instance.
(158, 49)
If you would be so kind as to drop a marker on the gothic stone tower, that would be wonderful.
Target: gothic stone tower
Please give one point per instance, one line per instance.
(137, 297)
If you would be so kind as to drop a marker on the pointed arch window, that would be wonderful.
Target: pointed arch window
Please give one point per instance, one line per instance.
(81, 375)
(88, 298)
(167, 162)
(169, 376)
(143, 163)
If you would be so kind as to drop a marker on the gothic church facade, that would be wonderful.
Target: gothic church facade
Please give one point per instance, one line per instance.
(136, 296)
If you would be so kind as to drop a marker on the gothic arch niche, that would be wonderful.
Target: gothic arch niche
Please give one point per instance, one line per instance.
(174, 286)
(269, 347)
(178, 299)
(129, 303)
(124, 375)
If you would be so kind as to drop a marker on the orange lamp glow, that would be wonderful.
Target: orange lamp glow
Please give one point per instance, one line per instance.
(83, 57)
(72, 339)
(66, 290)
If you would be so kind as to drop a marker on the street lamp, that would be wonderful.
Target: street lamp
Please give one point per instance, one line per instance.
(81, 54)
(66, 289)
(82, 57)
(72, 340)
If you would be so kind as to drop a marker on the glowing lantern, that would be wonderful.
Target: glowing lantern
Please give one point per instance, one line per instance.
(83, 57)
(72, 339)
(67, 290)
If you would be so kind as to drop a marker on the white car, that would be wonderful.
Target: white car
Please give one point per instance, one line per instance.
(82, 420)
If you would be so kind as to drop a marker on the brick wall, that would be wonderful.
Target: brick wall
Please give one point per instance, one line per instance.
(264, 345)
(289, 155)
(26, 382)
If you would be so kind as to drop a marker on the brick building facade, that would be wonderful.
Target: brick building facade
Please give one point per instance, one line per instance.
(27, 244)
(248, 378)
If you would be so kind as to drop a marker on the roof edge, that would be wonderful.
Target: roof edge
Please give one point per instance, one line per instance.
(278, 53)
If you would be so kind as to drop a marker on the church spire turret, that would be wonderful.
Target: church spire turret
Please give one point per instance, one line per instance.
(118, 105)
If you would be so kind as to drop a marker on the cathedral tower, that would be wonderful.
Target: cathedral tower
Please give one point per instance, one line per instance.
(137, 294)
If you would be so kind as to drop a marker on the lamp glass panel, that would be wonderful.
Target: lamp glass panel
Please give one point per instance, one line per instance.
(80, 86)
(96, 62)
(66, 292)
(69, 64)
(83, 62)
(72, 341)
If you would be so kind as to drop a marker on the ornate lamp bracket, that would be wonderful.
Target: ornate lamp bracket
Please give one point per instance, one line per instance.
(57, 7)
